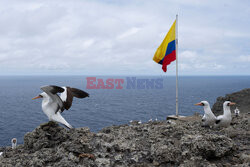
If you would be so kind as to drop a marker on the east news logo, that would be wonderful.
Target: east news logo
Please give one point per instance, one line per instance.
(120, 83)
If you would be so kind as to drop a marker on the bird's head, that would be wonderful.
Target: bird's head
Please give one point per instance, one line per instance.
(202, 103)
(228, 103)
(41, 95)
(14, 140)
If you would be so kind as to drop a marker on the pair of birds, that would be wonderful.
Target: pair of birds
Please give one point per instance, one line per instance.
(53, 105)
(209, 119)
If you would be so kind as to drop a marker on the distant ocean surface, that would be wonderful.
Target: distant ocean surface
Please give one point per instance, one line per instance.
(20, 114)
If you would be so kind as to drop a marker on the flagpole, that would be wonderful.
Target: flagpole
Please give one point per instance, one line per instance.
(176, 43)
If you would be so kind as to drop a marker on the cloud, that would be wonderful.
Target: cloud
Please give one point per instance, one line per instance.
(88, 43)
(191, 60)
(121, 37)
(236, 34)
(54, 66)
(244, 59)
(128, 33)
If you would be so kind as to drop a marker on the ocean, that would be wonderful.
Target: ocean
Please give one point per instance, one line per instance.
(20, 114)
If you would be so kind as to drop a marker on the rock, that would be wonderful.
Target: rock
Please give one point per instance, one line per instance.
(209, 146)
(45, 136)
(184, 143)
(154, 144)
(241, 98)
(245, 158)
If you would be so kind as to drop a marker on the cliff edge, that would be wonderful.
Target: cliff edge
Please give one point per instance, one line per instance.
(241, 98)
(162, 143)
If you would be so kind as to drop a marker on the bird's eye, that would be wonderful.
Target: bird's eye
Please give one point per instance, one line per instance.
(202, 104)
(40, 95)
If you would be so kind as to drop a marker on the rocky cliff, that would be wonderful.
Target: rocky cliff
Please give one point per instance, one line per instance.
(163, 143)
(241, 98)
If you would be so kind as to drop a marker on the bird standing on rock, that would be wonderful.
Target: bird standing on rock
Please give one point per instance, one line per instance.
(209, 118)
(13, 143)
(225, 119)
(53, 105)
(237, 112)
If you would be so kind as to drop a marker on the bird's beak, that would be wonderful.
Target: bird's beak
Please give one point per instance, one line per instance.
(198, 104)
(231, 104)
(37, 97)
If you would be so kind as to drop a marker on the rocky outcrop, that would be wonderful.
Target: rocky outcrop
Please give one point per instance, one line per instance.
(241, 98)
(161, 143)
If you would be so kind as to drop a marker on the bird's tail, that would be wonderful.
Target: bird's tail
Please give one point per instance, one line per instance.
(58, 118)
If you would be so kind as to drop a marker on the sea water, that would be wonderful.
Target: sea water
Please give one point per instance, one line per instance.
(20, 114)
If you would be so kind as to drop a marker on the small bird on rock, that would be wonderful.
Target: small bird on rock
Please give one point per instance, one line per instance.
(13, 143)
(237, 112)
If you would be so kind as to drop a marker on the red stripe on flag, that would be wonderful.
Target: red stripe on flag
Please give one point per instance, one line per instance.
(168, 59)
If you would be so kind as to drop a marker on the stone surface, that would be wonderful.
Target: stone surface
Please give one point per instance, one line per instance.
(158, 143)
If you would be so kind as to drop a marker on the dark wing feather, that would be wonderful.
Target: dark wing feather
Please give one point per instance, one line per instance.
(52, 91)
(78, 93)
(67, 104)
(217, 121)
(73, 92)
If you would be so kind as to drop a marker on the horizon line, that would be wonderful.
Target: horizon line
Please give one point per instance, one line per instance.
(165, 75)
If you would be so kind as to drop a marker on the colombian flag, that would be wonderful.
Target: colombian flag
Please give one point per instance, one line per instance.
(166, 53)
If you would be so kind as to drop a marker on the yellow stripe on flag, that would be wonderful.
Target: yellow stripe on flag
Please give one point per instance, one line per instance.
(161, 51)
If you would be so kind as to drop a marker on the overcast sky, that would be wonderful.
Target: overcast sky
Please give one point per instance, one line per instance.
(111, 37)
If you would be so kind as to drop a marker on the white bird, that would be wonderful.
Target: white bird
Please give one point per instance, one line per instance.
(208, 118)
(1, 153)
(53, 105)
(150, 120)
(13, 143)
(237, 112)
(139, 122)
(225, 119)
